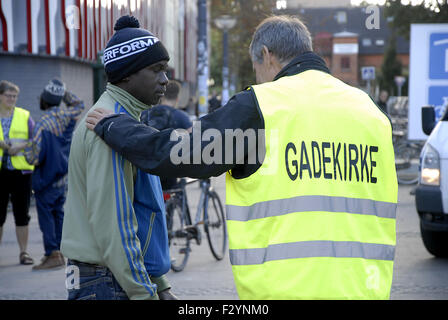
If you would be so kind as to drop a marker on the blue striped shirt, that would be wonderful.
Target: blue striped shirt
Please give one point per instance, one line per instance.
(55, 120)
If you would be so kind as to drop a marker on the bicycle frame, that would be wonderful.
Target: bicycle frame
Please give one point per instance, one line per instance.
(189, 229)
(205, 187)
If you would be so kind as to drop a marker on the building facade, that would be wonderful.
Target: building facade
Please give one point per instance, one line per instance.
(294, 4)
(347, 41)
(43, 39)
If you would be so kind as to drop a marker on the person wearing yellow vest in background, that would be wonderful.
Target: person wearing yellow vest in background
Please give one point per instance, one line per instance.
(310, 213)
(15, 173)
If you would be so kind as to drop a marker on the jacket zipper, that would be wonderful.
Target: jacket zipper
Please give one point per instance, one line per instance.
(148, 238)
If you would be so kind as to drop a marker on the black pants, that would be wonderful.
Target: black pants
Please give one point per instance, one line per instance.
(17, 186)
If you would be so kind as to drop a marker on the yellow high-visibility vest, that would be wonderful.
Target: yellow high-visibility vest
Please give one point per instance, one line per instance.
(18, 132)
(317, 219)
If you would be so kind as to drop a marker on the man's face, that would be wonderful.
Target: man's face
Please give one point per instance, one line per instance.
(149, 84)
(8, 98)
(383, 96)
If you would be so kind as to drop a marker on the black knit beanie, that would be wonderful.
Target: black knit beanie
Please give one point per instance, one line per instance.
(131, 49)
(53, 92)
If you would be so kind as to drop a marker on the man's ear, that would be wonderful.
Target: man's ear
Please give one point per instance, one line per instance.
(271, 60)
(266, 55)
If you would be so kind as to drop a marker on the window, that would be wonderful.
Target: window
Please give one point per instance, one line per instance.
(341, 17)
(379, 42)
(366, 42)
(345, 63)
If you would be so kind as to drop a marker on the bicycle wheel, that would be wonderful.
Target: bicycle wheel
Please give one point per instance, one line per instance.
(215, 225)
(178, 239)
(407, 163)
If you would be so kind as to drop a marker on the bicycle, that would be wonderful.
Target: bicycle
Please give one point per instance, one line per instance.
(181, 228)
(407, 165)
(407, 153)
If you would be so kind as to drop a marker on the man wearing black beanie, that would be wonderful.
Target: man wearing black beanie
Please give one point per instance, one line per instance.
(114, 227)
(49, 152)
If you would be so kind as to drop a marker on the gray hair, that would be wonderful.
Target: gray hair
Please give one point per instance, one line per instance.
(285, 36)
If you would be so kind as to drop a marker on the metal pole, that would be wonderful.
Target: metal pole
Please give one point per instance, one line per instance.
(202, 58)
(225, 68)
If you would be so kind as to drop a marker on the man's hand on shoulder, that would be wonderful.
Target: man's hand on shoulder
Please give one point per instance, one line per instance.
(95, 116)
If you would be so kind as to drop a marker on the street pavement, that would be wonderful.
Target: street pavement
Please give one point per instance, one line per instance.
(417, 274)
(203, 278)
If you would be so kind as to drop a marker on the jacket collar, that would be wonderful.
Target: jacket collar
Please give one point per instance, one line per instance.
(132, 105)
(306, 61)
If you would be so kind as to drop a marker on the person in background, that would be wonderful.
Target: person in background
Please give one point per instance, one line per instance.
(15, 173)
(165, 116)
(191, 108)
(214, 103)
(49, 152)
(382, 101)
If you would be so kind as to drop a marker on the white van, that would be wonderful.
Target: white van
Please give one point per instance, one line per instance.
(431, 196)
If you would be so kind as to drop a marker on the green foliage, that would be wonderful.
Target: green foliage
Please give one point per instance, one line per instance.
(400, 18)
(249, 13)
(434, 11)
(390, 68)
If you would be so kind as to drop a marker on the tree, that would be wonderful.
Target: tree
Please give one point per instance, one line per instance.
(401, 16)
(390, 68)
(249, 13)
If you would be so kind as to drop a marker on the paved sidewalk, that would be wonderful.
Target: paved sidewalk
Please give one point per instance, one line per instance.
(203, 278)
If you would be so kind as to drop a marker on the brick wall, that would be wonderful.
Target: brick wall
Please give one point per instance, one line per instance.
(344, 66)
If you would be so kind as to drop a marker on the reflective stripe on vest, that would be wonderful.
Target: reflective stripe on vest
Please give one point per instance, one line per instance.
(311, 203)
(317, 219)
(18, 132)
(312, 249)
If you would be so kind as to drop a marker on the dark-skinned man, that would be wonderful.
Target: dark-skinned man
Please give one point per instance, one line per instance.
(114, 231)
(311, 216)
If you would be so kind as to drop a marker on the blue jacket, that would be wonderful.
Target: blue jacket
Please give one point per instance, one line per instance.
(50, 147)
(53, 158)
(149, 208)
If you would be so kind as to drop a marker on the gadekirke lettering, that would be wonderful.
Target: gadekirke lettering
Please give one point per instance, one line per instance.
(330, 160)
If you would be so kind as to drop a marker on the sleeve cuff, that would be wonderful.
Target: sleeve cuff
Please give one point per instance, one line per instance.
(161, 282)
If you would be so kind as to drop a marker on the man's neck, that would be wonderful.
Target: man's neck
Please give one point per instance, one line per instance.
(306, 61)
(124, 98)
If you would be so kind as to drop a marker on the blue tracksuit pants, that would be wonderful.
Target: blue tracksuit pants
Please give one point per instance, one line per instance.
(50, 213)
